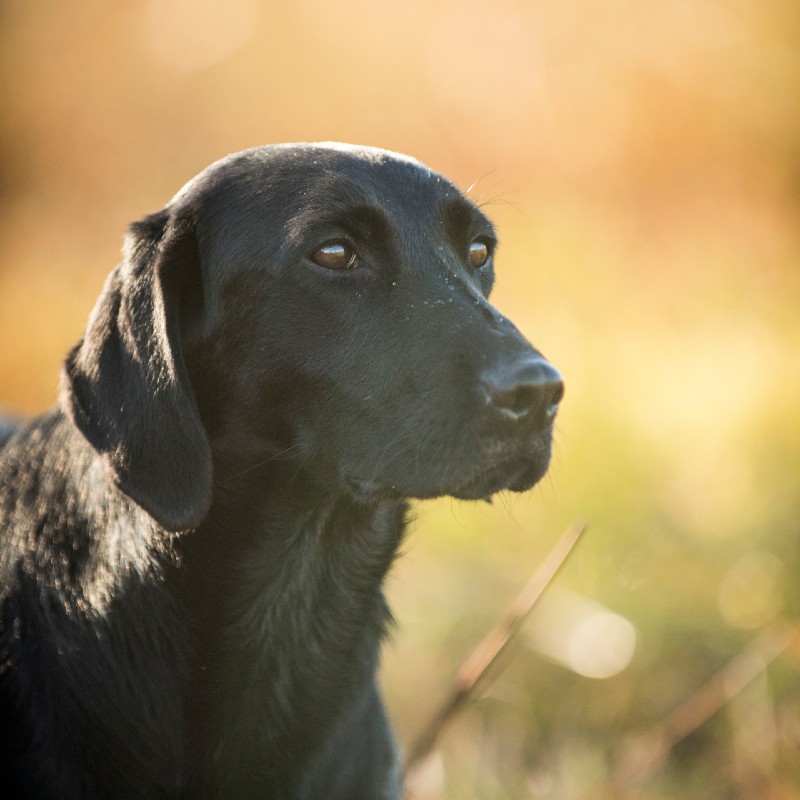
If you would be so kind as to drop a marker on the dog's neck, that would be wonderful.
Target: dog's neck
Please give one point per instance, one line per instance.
(288, 613)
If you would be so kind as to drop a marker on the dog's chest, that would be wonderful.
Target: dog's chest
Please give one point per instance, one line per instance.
(286, 637)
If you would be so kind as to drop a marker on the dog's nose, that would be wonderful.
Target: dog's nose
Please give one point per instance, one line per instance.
(527, 387)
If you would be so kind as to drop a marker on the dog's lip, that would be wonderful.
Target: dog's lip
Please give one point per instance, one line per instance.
(515, 466)
(517, 474)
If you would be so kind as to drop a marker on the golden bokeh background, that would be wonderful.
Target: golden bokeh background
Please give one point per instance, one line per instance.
(642, 161)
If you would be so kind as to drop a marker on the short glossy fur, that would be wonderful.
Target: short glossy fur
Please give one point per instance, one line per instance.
(192, 547)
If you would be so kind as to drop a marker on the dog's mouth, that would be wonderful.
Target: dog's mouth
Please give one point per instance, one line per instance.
(500, 467)
(517, 472)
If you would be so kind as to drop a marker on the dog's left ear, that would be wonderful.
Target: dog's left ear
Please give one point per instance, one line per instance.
(125, 384)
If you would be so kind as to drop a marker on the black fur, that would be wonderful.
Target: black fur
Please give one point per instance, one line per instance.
(7, 428)
(193, 546)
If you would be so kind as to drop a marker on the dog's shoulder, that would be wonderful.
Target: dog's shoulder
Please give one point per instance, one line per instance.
(8, 428)
(78, 586)
(61, 517)
(39, 464)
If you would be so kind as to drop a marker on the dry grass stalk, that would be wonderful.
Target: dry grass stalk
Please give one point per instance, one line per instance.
(477, 667)
(646, 753)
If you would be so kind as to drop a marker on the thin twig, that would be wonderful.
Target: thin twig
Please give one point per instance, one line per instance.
(647, 752)
(474, 671)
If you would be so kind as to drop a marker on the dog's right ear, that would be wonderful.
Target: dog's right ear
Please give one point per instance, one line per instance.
(125, 384)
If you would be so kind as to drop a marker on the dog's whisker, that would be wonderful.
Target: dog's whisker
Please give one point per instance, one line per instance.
(263, 462)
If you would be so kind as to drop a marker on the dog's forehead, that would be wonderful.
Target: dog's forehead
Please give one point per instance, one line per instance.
(304, 169)
(373, 155)
(337, 157)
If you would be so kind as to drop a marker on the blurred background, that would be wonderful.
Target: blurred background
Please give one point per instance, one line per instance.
(642, 162)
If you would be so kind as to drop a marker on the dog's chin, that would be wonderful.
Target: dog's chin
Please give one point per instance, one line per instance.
(517, 473)
(518, 476)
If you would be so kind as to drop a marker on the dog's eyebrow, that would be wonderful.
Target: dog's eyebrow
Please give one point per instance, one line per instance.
(365, 222)
(462, 218)
(360, 221)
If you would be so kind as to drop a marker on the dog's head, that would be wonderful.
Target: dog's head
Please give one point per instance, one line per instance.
(326, 302)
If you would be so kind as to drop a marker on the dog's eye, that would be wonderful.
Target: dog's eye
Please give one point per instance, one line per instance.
(479, 253)
(335, 255)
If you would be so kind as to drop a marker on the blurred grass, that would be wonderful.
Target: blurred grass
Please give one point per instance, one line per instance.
(643, 164)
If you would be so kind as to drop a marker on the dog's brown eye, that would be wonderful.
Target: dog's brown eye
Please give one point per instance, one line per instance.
(335, 255)
(478, 253)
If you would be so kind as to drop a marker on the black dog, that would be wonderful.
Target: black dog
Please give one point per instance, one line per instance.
(193, 547)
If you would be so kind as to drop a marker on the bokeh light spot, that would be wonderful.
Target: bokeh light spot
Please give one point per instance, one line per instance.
(582, 635)
(602, 645)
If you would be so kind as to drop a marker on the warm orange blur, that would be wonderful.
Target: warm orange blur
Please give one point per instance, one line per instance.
(642, 161)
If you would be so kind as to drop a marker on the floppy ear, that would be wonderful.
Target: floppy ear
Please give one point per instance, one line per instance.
(125, 384)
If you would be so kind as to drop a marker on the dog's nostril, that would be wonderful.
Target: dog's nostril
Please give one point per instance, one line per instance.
(528, 387)
(517, 401)
(555, 399)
